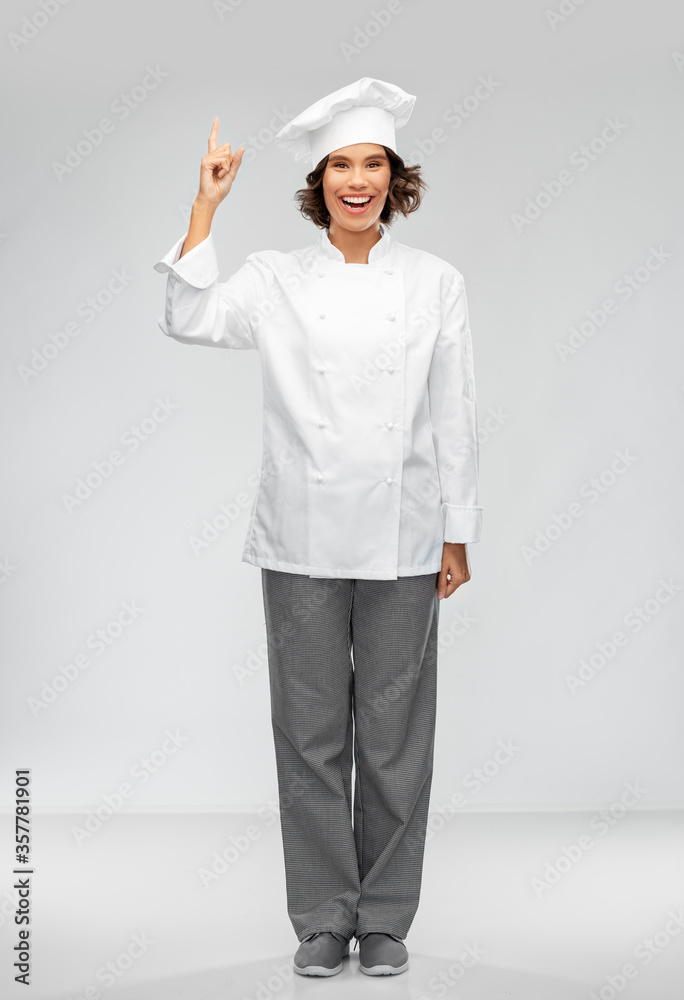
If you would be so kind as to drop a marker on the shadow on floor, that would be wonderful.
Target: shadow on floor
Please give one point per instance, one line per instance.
(427, 978)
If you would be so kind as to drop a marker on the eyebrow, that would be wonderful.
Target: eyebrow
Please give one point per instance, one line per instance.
(373, 156)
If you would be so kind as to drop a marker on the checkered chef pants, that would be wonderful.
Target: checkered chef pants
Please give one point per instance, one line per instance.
(352, 663)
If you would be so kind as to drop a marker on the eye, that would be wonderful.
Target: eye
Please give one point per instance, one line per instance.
(341, 163)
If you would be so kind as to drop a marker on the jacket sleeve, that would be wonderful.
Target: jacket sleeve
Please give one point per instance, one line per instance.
(200, 310)
(453, 415)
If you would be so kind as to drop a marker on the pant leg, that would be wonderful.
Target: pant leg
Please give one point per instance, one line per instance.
(395, 643)
(311, 683)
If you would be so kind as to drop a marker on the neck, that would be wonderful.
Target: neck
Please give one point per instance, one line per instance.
(355, 247)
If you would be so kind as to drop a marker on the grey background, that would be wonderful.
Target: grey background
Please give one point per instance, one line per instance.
(548, 426)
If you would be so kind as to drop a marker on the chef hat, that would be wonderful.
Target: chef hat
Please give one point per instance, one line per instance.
(366, 111)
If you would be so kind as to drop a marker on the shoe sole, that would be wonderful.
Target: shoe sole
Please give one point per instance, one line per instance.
(320, 970)
(384, 970)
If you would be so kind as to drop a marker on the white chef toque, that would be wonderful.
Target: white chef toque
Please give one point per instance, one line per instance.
(365, 111)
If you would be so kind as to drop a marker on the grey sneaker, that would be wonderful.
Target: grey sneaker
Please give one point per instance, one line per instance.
(321, 954)
(382, 954)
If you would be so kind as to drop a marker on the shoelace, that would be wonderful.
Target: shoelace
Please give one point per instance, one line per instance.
(394, 936)
(341, 937)
(315, 934)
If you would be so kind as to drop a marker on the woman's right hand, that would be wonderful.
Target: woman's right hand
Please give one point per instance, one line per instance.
(218, 169)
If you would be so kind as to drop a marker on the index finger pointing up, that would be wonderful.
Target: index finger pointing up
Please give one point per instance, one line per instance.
(213, 135)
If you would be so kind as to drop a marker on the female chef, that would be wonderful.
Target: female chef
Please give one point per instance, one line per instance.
(365, 502)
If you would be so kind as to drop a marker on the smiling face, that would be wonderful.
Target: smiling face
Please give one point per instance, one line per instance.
(355, 185)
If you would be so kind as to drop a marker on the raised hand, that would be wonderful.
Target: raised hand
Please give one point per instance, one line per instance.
(218, 169)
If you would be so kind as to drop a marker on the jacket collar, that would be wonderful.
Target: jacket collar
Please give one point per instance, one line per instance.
(376, 253)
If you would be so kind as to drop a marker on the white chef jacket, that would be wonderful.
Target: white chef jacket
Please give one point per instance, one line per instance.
(370, 434)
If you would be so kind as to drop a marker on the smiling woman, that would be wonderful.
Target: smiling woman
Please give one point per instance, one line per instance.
(404, 191)
(370, 421)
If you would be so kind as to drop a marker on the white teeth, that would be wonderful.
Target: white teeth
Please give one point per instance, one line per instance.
(361, 200)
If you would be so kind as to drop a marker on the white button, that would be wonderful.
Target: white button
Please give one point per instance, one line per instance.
(320, 274)
(321, 368)
(389, 480)
(390, 370)
(321, 423)
(321, 315)
(389, 271)
(319, 478)
(390, 426)
(391, 315)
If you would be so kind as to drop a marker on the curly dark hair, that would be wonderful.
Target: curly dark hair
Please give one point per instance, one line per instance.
(406, 188)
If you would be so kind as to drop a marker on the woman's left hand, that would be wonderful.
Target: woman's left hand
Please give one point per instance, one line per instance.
(455, 567)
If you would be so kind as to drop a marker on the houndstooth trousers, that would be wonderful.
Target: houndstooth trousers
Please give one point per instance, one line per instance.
(352, 666)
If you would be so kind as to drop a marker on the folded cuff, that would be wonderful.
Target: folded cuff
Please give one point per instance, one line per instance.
(461, 524)
(198, 267)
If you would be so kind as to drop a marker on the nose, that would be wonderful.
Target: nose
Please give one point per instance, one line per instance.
(357, 179)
